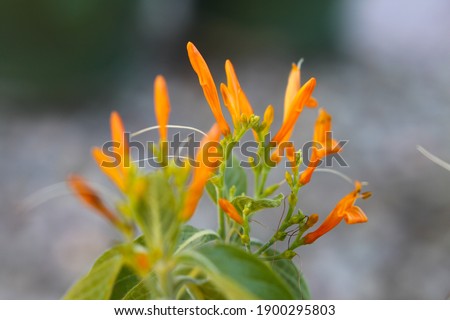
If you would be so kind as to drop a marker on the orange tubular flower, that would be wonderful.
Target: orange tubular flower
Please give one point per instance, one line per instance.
(201, 174)
(295, 109)
(230, 210)
(323, 145)
(292, 87)
(295, 100)
(345, 209)
(162, 105)
(209, 87)
(239, 101)
(118, 173)
(91, 198)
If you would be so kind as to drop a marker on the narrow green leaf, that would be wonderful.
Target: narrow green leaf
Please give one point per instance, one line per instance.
(253, 205)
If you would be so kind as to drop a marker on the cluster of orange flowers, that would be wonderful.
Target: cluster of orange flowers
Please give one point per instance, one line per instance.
(297, 96)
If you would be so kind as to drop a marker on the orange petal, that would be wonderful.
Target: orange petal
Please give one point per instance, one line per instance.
(355, 215)
(118, 131)
(200, 176)
(290, 155)
(269, 115)
(292, 88)
(209, 87)
(311, 103)
(230, 210)
(345, 209)
(162, 106)
(306, 175)
(118, 137)
(294, 111)
(243, 105)
(330, 222)
(106, 164)
(230, 103)
(89, 197)
(322, 126)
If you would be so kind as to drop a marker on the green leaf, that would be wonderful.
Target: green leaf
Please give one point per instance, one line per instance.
(143, 289)
(253, 205)
(290, 274)
(156, 214)
(204, 291)
(236, 176)
(128, 287)
(125, 281)
(99, 283)
(238, 274)
(211, 189)
(192, 237)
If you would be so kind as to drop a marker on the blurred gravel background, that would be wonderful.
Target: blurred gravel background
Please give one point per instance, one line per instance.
(383, 72)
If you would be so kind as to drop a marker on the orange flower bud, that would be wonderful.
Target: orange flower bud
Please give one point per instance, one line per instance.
(89, 197)
(230, 210)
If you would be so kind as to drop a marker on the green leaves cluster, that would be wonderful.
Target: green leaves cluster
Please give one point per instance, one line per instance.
(205, 268)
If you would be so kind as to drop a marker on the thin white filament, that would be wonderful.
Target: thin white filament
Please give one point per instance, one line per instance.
(173, 126)
(433, 158)
(55, 191)
(335, 172)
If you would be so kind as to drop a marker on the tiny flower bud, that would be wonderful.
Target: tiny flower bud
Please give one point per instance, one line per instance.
(366, 195)
(268, 116)
(288, 178)
(312, 220)
(280, 235)
(289, 254)
(232, 191)
(295, 219)
(254, 120)
(245, 239)
(270, 190)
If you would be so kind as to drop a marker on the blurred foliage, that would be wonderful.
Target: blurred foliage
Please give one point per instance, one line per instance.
(308, 26)
(58, 48)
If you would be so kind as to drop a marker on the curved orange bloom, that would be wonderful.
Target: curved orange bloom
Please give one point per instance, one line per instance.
(323, 145)
(291, 114)
(118, 173)
(229, 102)
(240, 100)
(292, 87)
(294, 111)
(118, 137)
(209, 87)
(162, 105)
(230, 210)
(201, 174)
(344, 210)
(91, 198)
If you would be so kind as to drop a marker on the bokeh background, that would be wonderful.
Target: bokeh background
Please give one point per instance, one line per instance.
(383, 70)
